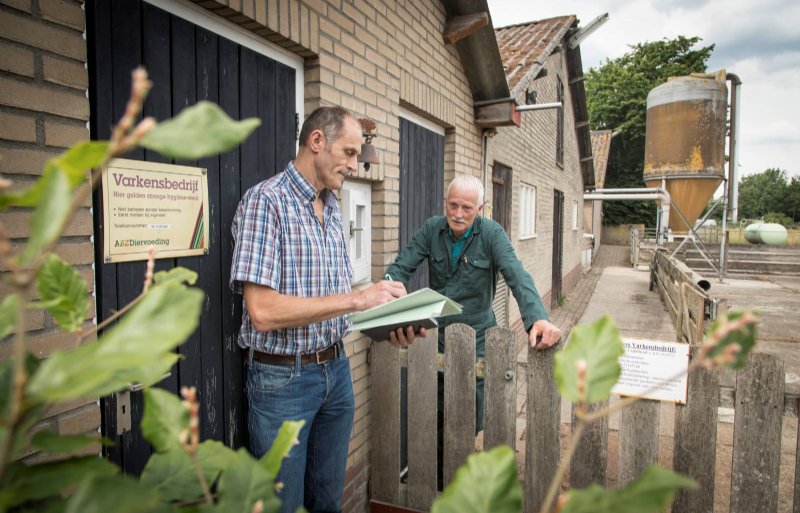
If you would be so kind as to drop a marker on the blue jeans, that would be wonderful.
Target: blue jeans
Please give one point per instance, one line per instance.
(313, 474)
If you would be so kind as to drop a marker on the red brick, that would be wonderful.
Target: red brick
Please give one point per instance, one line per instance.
(67, 13)
(79, 421)
(44, 99)
(17, 223)
(64, 135)
(16, 60)
(20, 161)
(42, 344)
(65, 72)
(21, 5)
(59, 40)
(17, 128)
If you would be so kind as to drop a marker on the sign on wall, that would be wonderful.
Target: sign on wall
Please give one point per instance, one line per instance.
(150, 204)
(653, 370)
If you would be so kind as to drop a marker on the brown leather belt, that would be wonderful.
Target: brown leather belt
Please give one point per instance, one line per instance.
(321, 356)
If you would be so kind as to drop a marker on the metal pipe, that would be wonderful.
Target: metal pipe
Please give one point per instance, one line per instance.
(733, 147)
(651, 194)
(723, 238)
(539, 106)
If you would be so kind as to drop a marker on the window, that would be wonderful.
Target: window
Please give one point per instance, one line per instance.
(356, 221)
(527, 211)
(574, 215)
(560, 123)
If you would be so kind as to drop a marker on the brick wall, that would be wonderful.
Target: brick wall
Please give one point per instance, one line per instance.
(530, 152)
(372, 57)
(44, 109)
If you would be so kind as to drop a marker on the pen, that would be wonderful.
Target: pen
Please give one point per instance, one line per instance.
(388, 278)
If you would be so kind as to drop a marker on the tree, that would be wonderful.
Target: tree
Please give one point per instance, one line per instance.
(792, 200)
(616, 95)
(763, 193)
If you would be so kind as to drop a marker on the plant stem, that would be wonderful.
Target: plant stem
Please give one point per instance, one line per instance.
(110, 318)
(20, 380)
(563, 466)
(200, 477)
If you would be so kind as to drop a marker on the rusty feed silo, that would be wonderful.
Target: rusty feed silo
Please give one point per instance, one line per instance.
(685, 142)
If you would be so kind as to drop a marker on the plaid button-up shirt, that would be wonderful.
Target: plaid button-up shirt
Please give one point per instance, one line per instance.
(280, 243)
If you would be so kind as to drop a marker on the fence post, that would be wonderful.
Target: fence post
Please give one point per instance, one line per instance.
(459, 397)
(638, 439)
(422, 405)
(695, 450)
(590, 462)
(757, 435)
(385, 460)
(501, 388)
(542, 427)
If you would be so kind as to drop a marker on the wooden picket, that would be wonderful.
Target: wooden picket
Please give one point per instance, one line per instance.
(759, 398)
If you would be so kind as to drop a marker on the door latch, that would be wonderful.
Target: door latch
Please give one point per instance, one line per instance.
(124, 405)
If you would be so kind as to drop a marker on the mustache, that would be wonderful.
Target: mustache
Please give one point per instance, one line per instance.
(457, 219)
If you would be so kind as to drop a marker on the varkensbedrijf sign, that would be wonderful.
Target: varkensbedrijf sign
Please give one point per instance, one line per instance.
(149, 204)
(652, 369)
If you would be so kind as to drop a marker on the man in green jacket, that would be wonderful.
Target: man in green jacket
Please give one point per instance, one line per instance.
(465, 254)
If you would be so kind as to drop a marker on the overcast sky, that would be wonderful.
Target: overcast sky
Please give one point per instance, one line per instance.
(757, 40)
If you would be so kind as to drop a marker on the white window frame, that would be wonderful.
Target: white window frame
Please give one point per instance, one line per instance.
(574, 215)
(201, 17)
(357, 225)
(527, 211)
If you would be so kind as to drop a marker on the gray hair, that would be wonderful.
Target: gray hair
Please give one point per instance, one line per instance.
(327, 119)
(467, 183)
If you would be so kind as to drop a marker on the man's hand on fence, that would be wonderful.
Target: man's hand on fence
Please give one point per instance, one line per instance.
(543, 334)
(404, 337)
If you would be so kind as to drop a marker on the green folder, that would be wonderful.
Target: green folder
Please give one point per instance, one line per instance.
(419, 309)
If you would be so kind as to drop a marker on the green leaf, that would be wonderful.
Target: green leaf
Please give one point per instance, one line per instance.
(599, 347)
(201, 130)
(487, 483)
(119, 494)
(75, 163)
(165, 417)
(51, 442)
(81, 158)
(172, 475)
(651, 492)
(243, 483)
(286, 439)
(137, 350)
(733, 329)
(175, 275)
(34, 482)
(51, 213)
(8, 315)
(64, 293)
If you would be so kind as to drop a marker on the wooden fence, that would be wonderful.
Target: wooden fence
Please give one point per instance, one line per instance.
(759, 408)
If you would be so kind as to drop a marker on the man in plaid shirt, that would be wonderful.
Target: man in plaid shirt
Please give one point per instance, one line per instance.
(291, 265)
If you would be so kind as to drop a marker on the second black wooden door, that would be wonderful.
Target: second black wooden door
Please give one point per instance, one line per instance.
(187, 64)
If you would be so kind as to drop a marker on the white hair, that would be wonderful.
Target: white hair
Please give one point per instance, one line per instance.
(467, 183)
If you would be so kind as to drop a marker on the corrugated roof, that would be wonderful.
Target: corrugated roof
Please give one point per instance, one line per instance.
(601, 144)
(525, 46)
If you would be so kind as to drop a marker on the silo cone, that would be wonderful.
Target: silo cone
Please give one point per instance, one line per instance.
(685, 142)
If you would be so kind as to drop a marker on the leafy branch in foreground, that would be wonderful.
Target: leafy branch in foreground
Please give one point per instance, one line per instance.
(184, 474)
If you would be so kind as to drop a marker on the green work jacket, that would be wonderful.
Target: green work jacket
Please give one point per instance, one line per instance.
(473, 281)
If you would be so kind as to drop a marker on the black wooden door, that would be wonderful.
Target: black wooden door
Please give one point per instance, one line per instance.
(558, 246)
(501, 212)
(187, 64)
(501, 195)
(421, 185)
(421, 196)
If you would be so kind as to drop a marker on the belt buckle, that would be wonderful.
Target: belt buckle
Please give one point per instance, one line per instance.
(316, 355)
